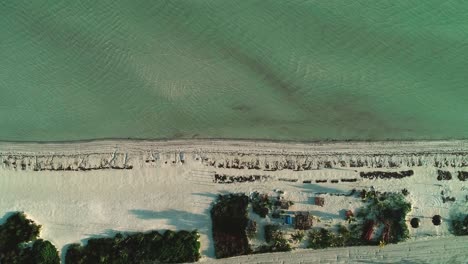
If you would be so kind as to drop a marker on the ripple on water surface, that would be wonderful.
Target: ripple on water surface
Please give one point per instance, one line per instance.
(309, 70)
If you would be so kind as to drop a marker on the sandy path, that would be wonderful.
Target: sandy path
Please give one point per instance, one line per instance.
(443, 250)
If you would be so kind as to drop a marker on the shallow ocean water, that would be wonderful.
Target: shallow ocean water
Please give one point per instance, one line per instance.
(283, 70)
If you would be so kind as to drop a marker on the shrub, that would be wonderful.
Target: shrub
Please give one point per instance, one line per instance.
(75, 254)
(323, 238)
(251, 228)
(298, 236)
(280, 244)
(405, 192)
(319, 238)
(42, 252)
(170, 247)
(463, 175)
(460, 226)
(270, 232)
(444, 175)
(261, 204)
(260, 210)
(344, 236)
(17, 229)
(14, 236)
(275, 239)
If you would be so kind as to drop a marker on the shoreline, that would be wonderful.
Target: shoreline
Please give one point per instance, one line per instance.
(188, 144)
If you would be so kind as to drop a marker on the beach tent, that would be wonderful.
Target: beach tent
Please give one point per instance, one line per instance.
(288, 220)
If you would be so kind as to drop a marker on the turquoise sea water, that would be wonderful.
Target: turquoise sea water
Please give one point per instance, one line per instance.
(297, 70)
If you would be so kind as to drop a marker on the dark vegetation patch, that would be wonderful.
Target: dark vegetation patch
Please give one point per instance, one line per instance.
(460, 225)
(386, 175)
(443, 175)
(42, 252)
(324, 238)
(276, 241)
(383, 211)
(229, 218)
(288, 180)
(446, 198)
(270, 232)
(227, 179)
(349, 180)
(353, 192)
(298, 236)
(415, 222)
(357, 163)
(261, 204)
(437, 220)
(231, 226)
(152, 247)
(405, 192)
(235, 164)
(19, 243)
(251, 228)
(463, 175)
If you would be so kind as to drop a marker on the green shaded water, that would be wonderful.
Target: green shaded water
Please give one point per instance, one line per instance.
(297, 70)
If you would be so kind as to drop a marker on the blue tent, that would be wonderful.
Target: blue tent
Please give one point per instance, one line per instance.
(288, 220)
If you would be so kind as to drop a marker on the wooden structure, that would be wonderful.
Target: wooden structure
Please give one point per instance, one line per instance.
(368, 230)
(283, 204)
(320, 201)
(303, 220)
(349, 214)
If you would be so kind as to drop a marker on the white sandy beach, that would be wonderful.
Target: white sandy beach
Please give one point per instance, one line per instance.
(169, 185)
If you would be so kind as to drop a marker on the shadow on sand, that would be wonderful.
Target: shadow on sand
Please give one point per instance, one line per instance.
(6, 216)
(320, 188)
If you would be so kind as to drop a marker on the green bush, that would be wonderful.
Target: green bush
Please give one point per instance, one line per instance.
(323, 238)
(298, 236)
(386, 208)
(15, 233)
(75, 254)
(271, 231)
(261, 204)
(171, 247)
(42, 252)
(280, 244)
(460, 226)
(17, 229)
(275, 239)
(320, 238)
